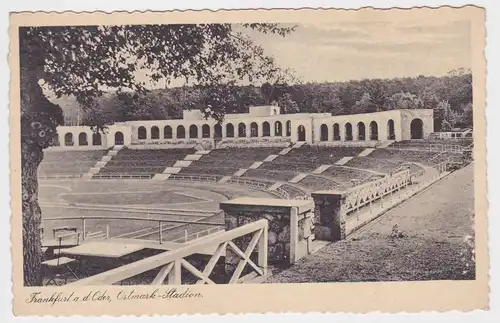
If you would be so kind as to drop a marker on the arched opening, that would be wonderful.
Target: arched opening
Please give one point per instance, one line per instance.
(254, 130)
(323, 132)
(301, 133)
(155, 132)
(391, 133)
(417, 129)
(336, 132)
(96, 139)
(68, 139)
(288, 128)
(373, 130)
(217, 131)
(230, 130)
(242, 130)
(278, 128)
(181, 132)
(142, 133)
(118, 138)
(361, 131)
(205, 131)
(82, 139)
(266, 129)
(167, 132)
(348, 131)
(193, 131)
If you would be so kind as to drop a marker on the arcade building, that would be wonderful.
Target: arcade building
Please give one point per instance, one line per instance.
(259, 123)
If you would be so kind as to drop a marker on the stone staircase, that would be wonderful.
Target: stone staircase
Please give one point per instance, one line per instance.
(179, 164)
(298, 178)
(343, 160)
(104, 160)
(366, 152)
(320, 169)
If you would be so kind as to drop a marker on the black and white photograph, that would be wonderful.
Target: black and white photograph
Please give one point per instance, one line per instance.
(314, 151)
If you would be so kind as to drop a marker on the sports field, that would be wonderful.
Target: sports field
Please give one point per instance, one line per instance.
(133, 208)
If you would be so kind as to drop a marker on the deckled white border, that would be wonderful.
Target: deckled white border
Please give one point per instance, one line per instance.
(493, 135)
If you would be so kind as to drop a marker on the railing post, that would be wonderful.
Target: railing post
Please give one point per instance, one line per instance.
(107, 231)
(262, 251)
(83, 229)
(185, 235)
(174, 277)
(160, 229)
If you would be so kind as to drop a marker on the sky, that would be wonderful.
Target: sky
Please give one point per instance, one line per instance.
(371, 49)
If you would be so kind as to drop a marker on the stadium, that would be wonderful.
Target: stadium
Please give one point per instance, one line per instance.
(256, 198)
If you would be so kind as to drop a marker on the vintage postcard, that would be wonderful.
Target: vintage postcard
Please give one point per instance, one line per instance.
(248, 161)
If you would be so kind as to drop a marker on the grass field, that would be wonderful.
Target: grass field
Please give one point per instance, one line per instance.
(431, 246)
(115, 201)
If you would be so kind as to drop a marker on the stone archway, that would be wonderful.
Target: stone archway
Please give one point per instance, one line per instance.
(417, 129)
(301, 133)
(118, 138)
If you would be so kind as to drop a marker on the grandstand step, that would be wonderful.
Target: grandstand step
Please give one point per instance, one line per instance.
(299, 144)
(366, 152)
(298, 178)
(182, 163)
(202, 152)
(320, 169)
(270, 158)
(87, 176)
(386, 144)
(240, 172)
(94, 170)
(118, 147)
(255, 165)
(224, 179)
(100, 164)
(274, 186)
(172, 170)
(193, 157)
(343, 161)
(106, 158)
(161, 177)
(112, 152)
(285, 151)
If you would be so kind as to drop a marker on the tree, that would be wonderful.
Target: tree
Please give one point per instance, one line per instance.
(287, 104)
(86, 61)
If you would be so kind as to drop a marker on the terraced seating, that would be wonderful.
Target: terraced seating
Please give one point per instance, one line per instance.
(378, 165)
(227, 161)
(292, 191)
(275, 175)
(348, 176)
(315, 183)
(143, 161)
(69, 163)
(316, 156)
(419, 156)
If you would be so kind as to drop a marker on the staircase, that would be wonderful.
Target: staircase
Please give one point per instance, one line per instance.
(298, 178)
(179, 164)
(104, 160)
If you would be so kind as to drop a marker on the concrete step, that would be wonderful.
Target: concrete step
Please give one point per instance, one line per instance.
(320, 169)
(112, 152)
(193, 157)
(160, 177)
(182, 163)
(255, 165)
(298, 178)
(100, 164)
(343, 161)
(270, 158)
(224, 179)
(106, 158)
(240, 172)
(202, 152)
(172, 170)
(118, 147)
(285, 151)
(299, 144)
(274, 186)
(94, 170)
(87, 176)
(385, 144)
(366, 152)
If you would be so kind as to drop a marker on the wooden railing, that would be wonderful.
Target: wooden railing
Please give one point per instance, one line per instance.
(367, 193)
(248, 182)
(172, 262)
